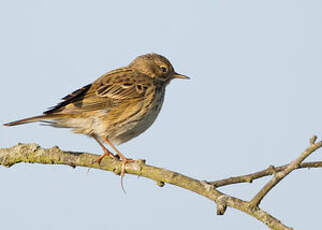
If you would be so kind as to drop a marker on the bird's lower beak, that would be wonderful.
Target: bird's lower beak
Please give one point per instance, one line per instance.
(180, 76)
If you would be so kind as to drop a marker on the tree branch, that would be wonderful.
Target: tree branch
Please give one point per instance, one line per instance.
(33, 153)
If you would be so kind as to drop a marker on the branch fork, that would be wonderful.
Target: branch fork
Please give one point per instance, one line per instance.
(278, 176)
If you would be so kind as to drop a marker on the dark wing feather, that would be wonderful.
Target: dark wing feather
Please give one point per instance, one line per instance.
(120, 91)
(75, 96)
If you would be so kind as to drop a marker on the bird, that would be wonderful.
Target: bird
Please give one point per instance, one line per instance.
(118, 106)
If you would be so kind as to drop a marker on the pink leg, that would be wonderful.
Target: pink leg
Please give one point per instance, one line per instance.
(106, 151)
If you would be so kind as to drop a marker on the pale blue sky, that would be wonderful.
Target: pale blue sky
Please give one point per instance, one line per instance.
(254, 100)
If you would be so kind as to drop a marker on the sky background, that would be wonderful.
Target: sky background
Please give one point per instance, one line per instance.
(254, 100)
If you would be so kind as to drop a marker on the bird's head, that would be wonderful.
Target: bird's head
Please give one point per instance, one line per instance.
(157, 67)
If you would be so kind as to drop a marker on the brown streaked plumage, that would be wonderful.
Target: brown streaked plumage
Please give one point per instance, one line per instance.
(116, 107)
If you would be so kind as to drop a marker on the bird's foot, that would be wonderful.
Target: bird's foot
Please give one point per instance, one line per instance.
(106, 153)
(124, 162)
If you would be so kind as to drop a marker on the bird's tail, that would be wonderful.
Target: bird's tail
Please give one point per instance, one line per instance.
(36, 118)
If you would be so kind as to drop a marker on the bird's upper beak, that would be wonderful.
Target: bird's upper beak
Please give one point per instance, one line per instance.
(180, 76)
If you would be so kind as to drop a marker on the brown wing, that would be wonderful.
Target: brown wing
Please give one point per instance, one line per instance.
(129, 85)
(128, 91)
(121, 85)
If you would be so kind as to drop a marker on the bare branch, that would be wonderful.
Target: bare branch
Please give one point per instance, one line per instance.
(33, 153)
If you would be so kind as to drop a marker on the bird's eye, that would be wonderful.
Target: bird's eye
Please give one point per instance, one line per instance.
(164, 69)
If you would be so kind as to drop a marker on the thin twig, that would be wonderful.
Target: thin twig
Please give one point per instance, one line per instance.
(249, 178)
(282, 174)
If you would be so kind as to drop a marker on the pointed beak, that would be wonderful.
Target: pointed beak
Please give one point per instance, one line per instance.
(180, 76)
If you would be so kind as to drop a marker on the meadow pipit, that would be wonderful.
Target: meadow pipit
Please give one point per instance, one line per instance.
(116, 107)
